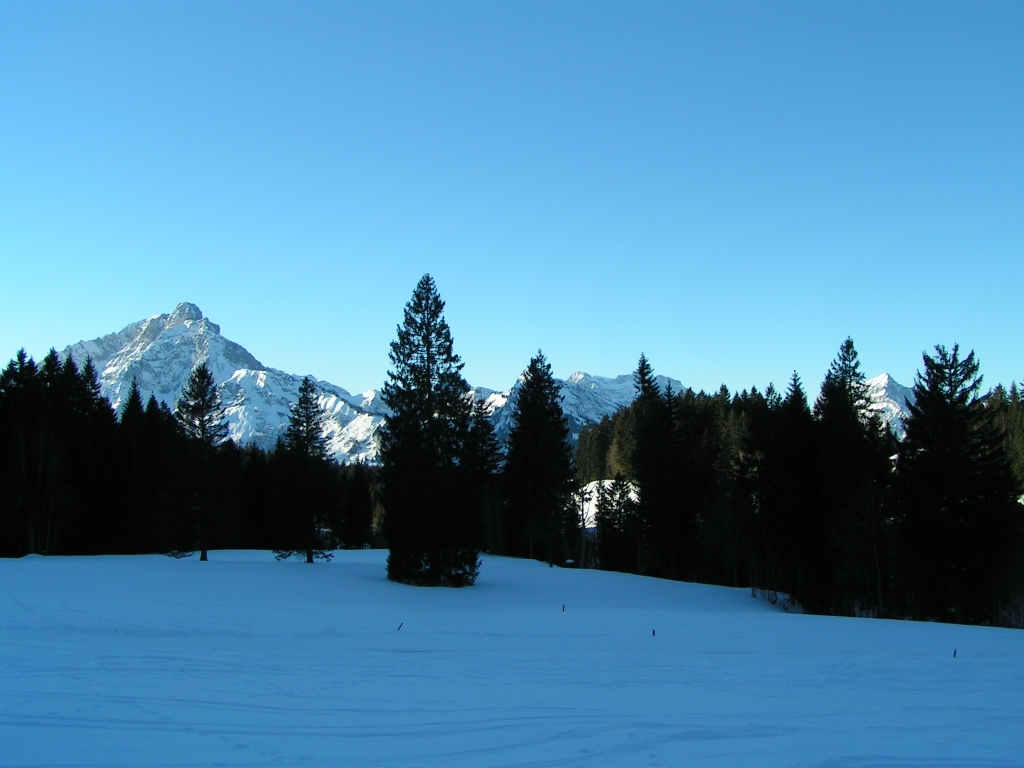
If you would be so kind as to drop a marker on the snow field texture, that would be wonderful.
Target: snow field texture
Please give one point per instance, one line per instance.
(245, 661)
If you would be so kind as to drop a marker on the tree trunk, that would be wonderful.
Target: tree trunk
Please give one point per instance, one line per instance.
(203, 556)
(309, 556)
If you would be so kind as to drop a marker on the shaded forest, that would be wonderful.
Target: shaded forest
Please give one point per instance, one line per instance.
(821, 503)
(76, 478)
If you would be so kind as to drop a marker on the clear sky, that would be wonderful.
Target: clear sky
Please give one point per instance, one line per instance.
(731, 188)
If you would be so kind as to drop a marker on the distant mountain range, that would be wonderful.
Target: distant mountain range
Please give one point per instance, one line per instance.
(160, 352)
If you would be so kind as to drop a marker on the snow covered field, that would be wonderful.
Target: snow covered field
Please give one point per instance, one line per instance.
(150, 661)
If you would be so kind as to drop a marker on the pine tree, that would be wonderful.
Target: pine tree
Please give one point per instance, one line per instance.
(657, 523)
(844, 556)
(201, 418)
(305, 433)
(483, 460)
(785, 487)
(308, 482)
(592, 449)
(22, 412)
(133, 416)
(431, 522)
(133, 410)
(615, 511)
(199, 411)
(956, 494)
(538, 472)
(1010, 415)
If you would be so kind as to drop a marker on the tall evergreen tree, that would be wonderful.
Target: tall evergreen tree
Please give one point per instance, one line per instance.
(308, 482)
(133, 409)
(786, 488)
(1009, 413)
(201, 418)
(199, 410)
(538, 468)
(133, 416)
(431, 520)
(22, 413)
(845, 545)
(305, 432)
(956, 494)
(483, 460)
(656, 523)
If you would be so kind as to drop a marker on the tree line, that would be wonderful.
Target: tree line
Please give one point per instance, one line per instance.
(822, 503)
(818, 503)
(78, 478)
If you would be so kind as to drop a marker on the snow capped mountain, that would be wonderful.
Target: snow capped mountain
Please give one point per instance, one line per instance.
(160, 352)
(586, 399)
(888, 398)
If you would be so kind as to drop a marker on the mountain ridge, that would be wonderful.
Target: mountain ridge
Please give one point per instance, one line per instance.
(160, 352)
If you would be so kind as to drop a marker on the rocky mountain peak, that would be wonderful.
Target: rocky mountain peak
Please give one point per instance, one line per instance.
(184, 313)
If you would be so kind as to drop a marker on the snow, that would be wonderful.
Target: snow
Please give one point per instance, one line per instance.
(160, 352)
(590, 495)
(889, 400)
(244, 661)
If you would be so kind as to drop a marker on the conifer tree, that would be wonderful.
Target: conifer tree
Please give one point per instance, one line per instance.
(483, 460)
(1009, 413)
(538, 472)
(956, 494)
(199, 410)
(305, 432)
(201, 418)
(307, 479)
(22, 409)
(843, 548)
(431, 522)
(656, 524)
(786, 488)
(133, 410)
(592, 449)
(614, 513)
(132, 425)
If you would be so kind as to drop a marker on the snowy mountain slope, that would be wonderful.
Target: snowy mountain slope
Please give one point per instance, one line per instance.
(161, 351)
(888, 398)
(586, 399)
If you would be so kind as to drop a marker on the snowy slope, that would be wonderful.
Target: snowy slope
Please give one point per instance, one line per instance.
(244, 661)
(588, 499)
(586, 399)
(889, 400)
(160, 353)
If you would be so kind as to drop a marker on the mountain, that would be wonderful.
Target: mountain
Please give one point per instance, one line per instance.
(888, 398)
(161, 351)
(586, 399)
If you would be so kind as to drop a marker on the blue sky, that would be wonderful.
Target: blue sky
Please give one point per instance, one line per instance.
(731, 188)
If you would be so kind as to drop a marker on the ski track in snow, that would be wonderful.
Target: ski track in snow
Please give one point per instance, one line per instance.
(245, 661)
